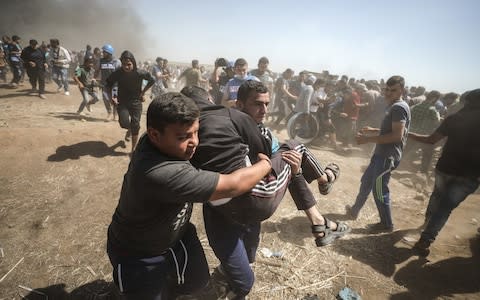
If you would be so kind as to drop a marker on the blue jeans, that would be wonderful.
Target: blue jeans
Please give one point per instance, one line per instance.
(375, 179)
(86, 94)
(182, 269)
(60, 76)
(235, 246)
(448, 193)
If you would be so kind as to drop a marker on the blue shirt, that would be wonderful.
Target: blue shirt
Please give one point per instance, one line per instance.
(233, 84)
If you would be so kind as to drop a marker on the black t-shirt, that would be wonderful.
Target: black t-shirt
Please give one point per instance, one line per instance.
(156, 201)
(226, 137)
(37, 56)
(461, 152)
(129, 84)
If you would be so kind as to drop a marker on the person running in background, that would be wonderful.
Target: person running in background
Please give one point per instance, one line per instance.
(61, 60)
(35, 64)
(85, 78)
(107, 65)
(130, 94)
(14, 55)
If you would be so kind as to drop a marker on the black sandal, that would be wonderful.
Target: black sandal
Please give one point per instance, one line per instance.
(325, 188)
(329, 235)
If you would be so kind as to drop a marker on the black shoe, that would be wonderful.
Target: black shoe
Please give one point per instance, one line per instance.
(379, 228)
(422, 248)
(351, 214)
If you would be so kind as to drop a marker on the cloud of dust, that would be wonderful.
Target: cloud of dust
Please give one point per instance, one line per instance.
(76, 23)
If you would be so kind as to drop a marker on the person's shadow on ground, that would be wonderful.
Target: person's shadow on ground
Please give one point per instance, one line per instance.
(91, 148)
(456, 275)
(74, 116)
(98, 289)
(376, 250)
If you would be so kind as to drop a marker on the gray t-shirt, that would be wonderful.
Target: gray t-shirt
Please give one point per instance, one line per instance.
(398, 112)
(156, 201)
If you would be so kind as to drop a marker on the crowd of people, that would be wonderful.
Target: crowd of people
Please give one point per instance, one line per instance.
(207, 142)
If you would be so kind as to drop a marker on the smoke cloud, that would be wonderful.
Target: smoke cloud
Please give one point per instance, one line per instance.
(76, 23)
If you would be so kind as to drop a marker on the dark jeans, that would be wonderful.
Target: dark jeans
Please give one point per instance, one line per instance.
(37, 75)
(129, 116)
(235, 246)
(375, 180)
(182, 269)
(448, 193)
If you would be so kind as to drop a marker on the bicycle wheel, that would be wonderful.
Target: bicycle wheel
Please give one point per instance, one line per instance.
(303, 127)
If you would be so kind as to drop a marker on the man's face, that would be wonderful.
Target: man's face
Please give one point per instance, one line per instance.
(393, 92)
(127, 65)
(241, 70)
(262, 66)
(255, 106)
(177, 140)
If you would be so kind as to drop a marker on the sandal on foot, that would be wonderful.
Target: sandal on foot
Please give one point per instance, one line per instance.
(329, 235)
(325, 188)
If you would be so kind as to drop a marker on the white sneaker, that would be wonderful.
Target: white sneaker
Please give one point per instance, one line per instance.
(42, 96)
(59, 89)
(67, 93)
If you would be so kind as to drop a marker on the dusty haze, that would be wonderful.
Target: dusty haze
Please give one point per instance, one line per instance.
(76, 23)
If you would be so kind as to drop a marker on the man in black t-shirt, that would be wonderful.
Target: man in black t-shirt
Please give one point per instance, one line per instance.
(457, 173)
(154, 249)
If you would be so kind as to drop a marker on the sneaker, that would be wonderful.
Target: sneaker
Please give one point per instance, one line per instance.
(353, 215)
(88, 107)
(379, 228)
(42, 96)
(67, 93)
(59, 89)
(422, 248)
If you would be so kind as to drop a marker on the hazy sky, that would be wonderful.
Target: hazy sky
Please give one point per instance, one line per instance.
(430, 43)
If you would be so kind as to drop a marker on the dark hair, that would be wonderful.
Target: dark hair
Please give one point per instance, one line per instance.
(396, 79)
(54, 41)
(434, 95)
(249, 86)
(197, 94)
(194, 62)
(33, 42)
(171, 108)
(129, 55)
(15, 38)
(240, 62)
(263, 60)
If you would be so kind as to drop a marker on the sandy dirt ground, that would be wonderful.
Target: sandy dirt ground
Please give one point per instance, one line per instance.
(60, 178)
